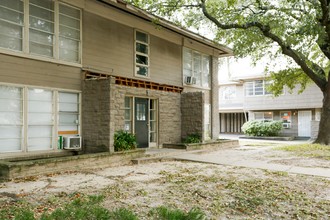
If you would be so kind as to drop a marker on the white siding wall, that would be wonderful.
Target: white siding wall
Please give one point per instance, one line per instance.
(310, 98)
(231, 105)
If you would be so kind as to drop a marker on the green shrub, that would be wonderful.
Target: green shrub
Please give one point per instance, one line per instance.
(124, 141)
(262, 128)
(192, 138)
(164, 213)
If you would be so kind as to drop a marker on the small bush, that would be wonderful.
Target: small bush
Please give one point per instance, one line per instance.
(192, 138)
(124, 141)
(262, 128)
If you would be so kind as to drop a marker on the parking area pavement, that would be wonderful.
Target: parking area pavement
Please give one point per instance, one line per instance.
(262, 155)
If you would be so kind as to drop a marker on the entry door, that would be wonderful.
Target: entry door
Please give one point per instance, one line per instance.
(304, 123)
(141, 122)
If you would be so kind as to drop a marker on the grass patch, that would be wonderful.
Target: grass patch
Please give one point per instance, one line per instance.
(253, 197)
(308, 150)
(90, 207)
(165, 213)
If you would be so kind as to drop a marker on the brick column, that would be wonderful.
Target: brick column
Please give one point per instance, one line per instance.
(192, 110)
(96, 116)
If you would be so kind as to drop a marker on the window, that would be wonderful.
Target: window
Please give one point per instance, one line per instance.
(40, 119)
(196, 65)
(11, 24)
(128, 114)
(286, 119)
(45, 112)
(153, 120)
(207, 121)
(52, 28)
(263, 116)
(141, 54)
(68, 104)
(257, 88)
(11, 119)
(229, 92)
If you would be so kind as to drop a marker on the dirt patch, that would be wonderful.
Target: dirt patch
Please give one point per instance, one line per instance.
(222, 192)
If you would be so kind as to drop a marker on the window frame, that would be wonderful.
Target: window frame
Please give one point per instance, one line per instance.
(153, 102)
(147, 55)
(55, 120)
(250, 88)
(286, 124)
(25, 52)
(192, 63)
(229, 92)
(130, 110)
(263, 116)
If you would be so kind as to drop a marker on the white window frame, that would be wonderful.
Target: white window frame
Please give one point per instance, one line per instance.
(191, 51)
(142, 54)
(155, 121)
(290, 115)
(229, 92)
(263, 116)
(56, 47)
(252, 84)
(55, 101)
(207, 121)
(130, 109)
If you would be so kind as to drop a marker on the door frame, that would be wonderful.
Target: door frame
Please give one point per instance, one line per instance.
(150, 144)
(299, 123)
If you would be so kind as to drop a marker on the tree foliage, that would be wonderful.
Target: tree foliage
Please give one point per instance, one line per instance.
(298, 29)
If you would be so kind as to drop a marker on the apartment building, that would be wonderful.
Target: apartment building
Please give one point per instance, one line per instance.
(80, 70)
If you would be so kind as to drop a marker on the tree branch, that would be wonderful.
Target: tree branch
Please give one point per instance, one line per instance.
(286, 49)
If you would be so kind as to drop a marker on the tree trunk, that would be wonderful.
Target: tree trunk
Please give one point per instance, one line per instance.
(324, 127)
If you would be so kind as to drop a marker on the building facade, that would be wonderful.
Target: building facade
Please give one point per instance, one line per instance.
(89, 68)
(247, 98)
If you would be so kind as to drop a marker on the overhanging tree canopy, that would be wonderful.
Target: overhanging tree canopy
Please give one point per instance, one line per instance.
(298, 29)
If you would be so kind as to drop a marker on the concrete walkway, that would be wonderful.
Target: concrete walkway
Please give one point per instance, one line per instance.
(260, 155)
(228, 157)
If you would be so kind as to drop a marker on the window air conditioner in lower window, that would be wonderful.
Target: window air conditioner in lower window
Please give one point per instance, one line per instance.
(286, 125)
(190, 80)
(72, 143)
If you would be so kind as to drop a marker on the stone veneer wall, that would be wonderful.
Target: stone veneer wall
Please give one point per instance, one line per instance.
(96, 116)
(192, 110)
(103, 113)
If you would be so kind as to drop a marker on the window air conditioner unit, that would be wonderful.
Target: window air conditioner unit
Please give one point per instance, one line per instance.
(72, 143)
(190, 80)
(286, 125)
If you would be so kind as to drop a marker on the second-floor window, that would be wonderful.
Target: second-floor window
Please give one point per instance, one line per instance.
(44, 28)
(229, 92)
(196, 68)
(141, 54)
(257, 88)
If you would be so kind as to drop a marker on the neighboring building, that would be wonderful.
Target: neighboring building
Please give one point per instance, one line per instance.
(88, 68)
(246, 98)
